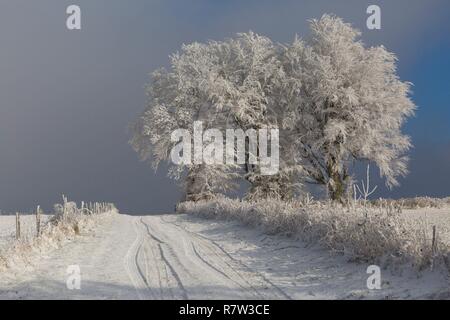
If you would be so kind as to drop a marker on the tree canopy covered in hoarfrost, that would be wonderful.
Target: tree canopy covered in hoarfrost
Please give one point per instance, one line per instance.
(334, 101)
(346, 103)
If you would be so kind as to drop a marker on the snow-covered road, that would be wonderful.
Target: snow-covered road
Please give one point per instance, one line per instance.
(184, 257)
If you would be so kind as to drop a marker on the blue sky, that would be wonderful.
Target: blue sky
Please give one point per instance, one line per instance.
(67, 97)
(430, 128)
(431, 77)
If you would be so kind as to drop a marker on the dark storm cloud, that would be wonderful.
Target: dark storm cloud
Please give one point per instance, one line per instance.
(67, 97)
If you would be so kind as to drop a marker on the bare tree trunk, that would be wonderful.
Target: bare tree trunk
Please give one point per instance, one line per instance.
(197, 187)
(337, 186)
(270, 187)
(336, 189)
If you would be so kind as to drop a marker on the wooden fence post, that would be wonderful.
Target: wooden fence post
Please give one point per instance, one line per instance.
(38, 221)
(64, 206)
(433, 247)
(17, 226)
(434, 241)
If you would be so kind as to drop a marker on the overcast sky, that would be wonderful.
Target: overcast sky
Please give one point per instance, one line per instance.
(67, 97)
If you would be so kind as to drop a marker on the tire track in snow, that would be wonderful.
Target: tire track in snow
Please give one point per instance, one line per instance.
(174, 273)
(223, 272)
(132, 267)
(206, 241)
(162, 249)
(191, 268)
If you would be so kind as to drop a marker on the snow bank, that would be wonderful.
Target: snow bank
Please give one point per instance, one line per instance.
(62, 227)
(375, 235)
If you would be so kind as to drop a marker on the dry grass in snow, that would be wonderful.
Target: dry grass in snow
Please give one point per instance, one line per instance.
(413, 203)
(363, 233)
(65, 224)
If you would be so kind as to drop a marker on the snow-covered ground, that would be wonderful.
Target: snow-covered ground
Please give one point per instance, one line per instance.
(433, 217)
(27, 227)
(180, 256)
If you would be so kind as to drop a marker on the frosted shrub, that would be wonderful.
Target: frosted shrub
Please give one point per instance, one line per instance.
(374, 235)
(67, 222)
(58, 208)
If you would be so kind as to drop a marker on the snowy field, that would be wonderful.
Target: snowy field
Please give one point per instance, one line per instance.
(433, 217)
(27, 227)
(179, 256)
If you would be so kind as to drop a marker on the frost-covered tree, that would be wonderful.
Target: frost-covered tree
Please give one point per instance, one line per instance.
(228, 85)
(333, 100)
(176, 99)
(247, 91)
(344, 102)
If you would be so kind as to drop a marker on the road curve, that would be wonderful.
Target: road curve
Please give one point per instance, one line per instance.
(140, 257)
(183, 257)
